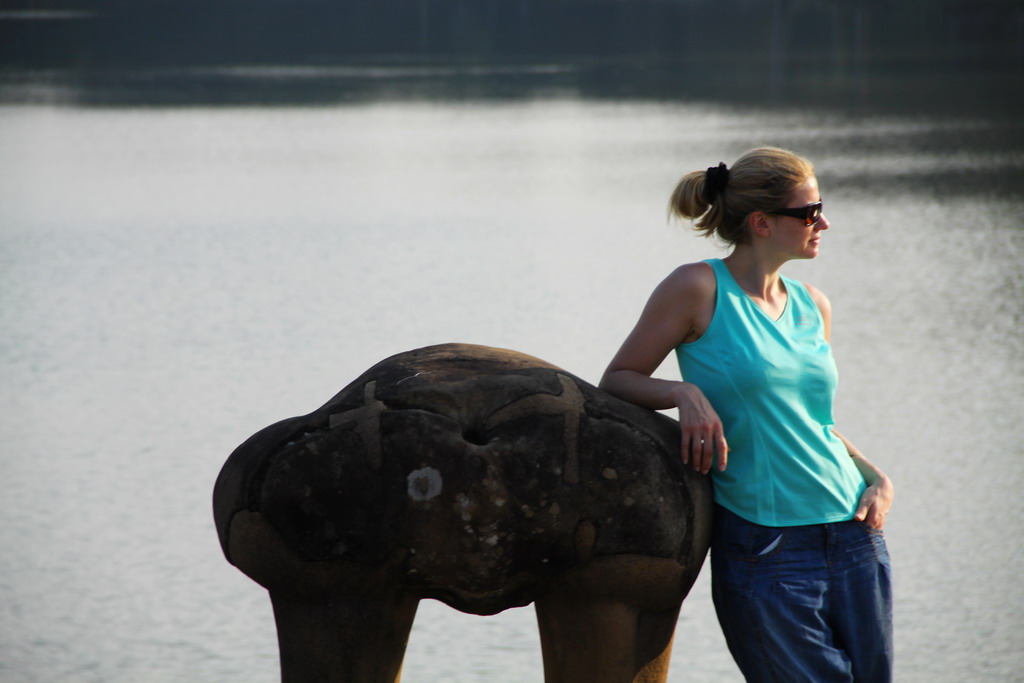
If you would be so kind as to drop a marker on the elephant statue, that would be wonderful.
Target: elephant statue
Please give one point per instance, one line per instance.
(483, 478)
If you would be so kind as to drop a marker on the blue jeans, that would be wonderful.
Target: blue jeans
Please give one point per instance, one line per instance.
(803, 603)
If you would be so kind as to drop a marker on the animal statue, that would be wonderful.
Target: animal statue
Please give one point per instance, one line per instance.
(483, 478)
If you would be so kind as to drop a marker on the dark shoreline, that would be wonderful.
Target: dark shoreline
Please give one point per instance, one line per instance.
(875, 55)
(963, 93)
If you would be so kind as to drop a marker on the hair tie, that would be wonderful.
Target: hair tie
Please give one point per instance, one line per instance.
(715, 180)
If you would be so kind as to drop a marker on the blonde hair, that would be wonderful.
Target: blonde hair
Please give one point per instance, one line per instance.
(763, 179)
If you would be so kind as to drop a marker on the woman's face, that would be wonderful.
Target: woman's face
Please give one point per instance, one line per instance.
(792, 234)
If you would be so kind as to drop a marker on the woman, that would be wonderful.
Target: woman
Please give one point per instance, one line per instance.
(800, 571)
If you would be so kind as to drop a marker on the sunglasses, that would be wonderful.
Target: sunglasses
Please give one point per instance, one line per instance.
(810, 213)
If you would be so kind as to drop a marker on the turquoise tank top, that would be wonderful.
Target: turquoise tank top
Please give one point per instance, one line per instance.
(772, 382)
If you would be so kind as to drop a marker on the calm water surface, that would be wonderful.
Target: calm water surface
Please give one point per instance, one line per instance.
(173, 280)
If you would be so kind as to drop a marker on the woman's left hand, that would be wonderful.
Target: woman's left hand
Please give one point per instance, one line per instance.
(876, 500)
(875, 503)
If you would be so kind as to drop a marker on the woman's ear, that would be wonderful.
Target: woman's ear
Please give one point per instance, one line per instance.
(760, 224)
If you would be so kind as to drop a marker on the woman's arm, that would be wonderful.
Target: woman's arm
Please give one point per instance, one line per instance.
(678, 310)
(876, 500)
(877, 497)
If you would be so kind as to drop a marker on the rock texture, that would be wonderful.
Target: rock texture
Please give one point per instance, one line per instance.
(480, 477)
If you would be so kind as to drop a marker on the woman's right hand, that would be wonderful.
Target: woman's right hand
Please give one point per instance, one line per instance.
(678, 311)
(701, 428)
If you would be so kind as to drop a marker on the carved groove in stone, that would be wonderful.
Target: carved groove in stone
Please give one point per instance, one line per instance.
(568, 405)
(366, 419)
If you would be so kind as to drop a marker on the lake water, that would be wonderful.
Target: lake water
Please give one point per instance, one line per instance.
(175, 279)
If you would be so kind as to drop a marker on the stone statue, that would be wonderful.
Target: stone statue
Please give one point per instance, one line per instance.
(480, 477)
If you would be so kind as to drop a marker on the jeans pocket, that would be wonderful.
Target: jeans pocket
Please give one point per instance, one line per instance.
(876, 538)
(771, 547)
(872, 531)
(741, 540)
(747, 562)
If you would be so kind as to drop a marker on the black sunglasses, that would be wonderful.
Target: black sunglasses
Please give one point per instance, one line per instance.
(810, 213)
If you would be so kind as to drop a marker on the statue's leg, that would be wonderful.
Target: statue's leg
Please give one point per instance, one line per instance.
(336, 621)
(347, 640)
(604, 642)
(611, 622)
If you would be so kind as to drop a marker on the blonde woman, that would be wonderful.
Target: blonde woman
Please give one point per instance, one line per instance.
(800, 572)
